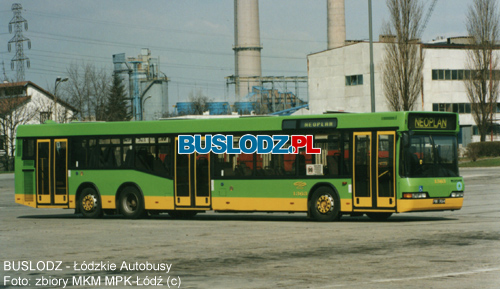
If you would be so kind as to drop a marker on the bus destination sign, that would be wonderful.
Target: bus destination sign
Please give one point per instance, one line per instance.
(309, 123)
(432, 122)
(318, 123)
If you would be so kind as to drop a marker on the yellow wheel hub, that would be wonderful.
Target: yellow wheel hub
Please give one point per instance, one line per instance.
(324, 204)
(88, 203)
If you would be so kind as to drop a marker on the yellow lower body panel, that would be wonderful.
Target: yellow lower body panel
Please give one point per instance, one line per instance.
(108, 202)
(159, 203)
(150, 203)
(22, 199)
(30, 201)
(409, 205)
(259, 204)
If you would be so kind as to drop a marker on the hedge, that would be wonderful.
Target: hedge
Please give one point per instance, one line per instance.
(483, 149)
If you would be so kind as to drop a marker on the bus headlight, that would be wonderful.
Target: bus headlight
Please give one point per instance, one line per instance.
(457, 195)
(414, 195)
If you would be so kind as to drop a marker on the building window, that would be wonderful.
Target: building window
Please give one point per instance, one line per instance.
(351, 80)
(45, 115)
(459, 74)
(2, 142)
(454, 107)
(496, 130)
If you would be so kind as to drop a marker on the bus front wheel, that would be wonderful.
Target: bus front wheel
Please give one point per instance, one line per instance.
(89, 203)
(324, 205)
(131, 203)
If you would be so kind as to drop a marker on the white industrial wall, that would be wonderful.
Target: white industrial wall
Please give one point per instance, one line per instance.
(326, 79)
(328, 92)
(445, 91)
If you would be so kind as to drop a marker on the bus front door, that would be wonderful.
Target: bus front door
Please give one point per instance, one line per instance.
(385, 172)
(374, 173)
(52, 172)
(362, 165)
(192, 180)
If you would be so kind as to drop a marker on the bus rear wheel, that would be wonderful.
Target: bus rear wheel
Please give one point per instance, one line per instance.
(379, 216)
(131, 203)
(324, 205)
(89, 203)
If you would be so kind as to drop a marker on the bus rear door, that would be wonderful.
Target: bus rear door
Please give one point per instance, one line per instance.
(192, 180)
(52, 172)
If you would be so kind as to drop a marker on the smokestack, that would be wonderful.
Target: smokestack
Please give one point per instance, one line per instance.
(335, 23)
(247, 45)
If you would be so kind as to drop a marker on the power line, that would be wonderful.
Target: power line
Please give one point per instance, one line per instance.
(100, 42)
(159, 29)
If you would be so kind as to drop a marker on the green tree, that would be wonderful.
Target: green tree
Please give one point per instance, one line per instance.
(117, 108)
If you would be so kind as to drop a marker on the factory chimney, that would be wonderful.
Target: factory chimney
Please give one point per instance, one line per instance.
(335, 23)
(247, 46)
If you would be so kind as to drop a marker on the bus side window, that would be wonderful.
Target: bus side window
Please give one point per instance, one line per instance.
(143, 158)
(78, 152)
(28, 149)
(223, 165)
(162, 160)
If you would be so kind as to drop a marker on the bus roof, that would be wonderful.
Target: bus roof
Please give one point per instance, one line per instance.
(395, 120)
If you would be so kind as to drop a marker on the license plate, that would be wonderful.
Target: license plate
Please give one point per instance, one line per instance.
(439, 201)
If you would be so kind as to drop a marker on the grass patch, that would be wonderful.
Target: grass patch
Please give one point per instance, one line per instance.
(489, 162)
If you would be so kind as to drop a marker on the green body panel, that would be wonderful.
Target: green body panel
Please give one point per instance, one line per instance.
(109, 181)
(435, 187)
(289, 188)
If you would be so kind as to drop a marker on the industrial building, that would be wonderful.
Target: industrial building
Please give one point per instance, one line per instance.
(253, 91)
(148, 86)
(339, 80)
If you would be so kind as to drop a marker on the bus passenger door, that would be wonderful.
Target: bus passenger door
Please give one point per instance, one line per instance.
(362, 185)
(192, 180)
(182, 180)
(43, 175)
(202, 180)
(52, 172)
(385, 173)
(60, 171)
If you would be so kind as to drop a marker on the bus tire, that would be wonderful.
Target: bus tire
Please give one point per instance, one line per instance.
(379, 216)
(131, 203)
(89, 203)
(324, 205)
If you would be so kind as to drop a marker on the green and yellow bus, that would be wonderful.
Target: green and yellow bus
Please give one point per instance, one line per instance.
(375, 164)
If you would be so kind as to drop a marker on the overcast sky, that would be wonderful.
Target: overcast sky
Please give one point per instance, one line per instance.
(193, 38)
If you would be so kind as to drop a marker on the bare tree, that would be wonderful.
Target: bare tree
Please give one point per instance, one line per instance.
(15, 110)
(199, 102)
(87, 90)
(483, 20)
(403, 61)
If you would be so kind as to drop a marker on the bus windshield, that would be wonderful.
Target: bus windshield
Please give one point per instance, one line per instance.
(430, 156)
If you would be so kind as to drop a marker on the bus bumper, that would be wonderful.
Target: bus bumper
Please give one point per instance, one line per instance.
(431, 204)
